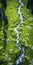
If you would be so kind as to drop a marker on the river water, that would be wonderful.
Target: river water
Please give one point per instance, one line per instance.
(19, 59)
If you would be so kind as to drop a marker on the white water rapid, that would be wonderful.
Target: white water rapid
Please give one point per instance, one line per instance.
(18, 44)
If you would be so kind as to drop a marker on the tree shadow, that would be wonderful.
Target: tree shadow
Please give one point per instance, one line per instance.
(30, 5)
(3, 17)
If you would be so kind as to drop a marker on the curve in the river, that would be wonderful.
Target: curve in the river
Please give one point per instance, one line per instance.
(19, 59)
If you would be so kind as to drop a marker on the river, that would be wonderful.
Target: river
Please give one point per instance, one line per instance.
(19, 59)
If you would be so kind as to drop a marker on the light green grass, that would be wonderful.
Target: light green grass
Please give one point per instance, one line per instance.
(13, 19)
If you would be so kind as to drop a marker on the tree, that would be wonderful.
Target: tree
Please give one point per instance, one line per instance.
(3, 3)
(30, 5)
(3, 17)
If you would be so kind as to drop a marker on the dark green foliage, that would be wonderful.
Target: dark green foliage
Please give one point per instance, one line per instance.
(30, 5)
(3, 3)
(3, 17)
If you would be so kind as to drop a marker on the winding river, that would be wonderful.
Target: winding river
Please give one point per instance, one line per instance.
(19, 59)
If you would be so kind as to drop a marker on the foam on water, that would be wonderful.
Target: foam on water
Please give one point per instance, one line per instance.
(22, 49)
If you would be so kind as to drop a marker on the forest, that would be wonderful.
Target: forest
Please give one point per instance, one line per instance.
(16, 32)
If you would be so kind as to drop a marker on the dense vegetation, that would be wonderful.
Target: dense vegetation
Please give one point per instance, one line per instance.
(30, 5)
(9, 18)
